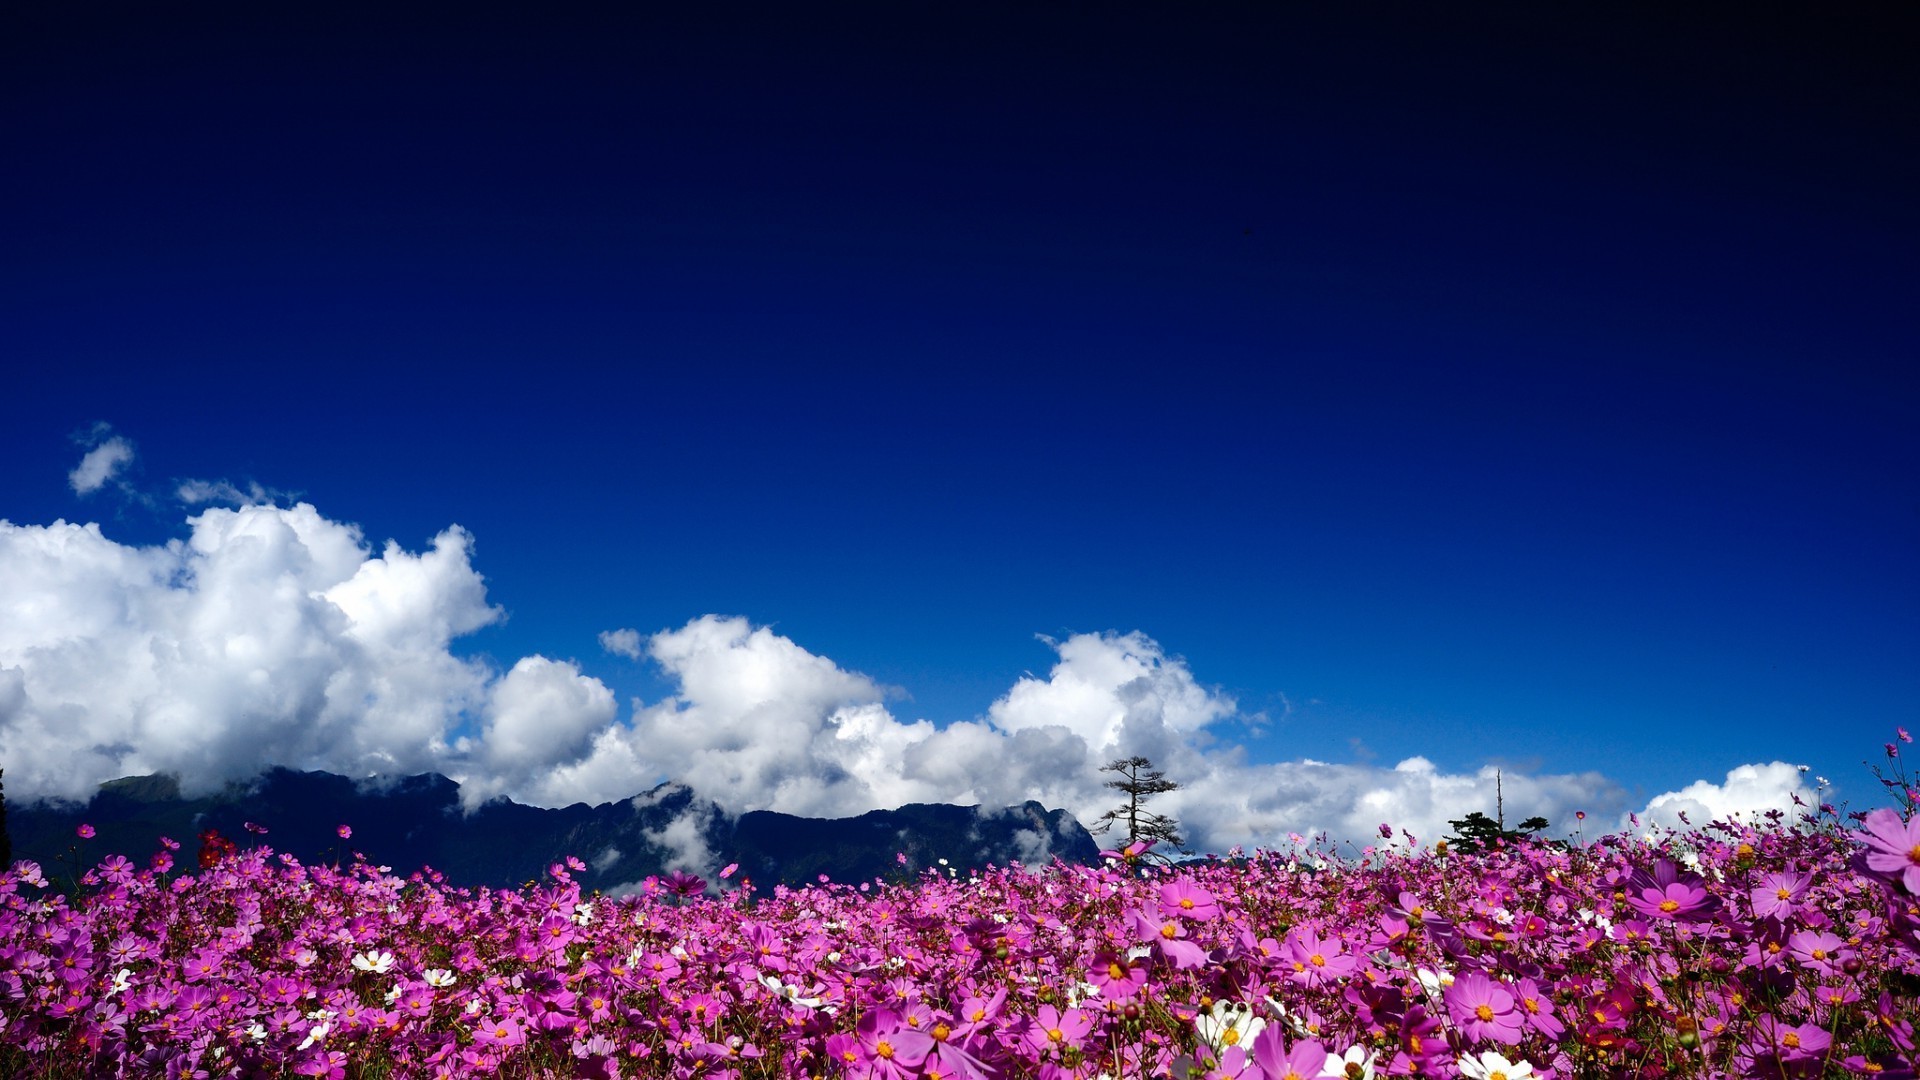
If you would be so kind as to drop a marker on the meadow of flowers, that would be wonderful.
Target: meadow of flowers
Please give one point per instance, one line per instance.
(1777, 949)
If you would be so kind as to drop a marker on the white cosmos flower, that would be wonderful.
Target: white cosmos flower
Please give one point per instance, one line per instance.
(1435, 982)
(438, 977)
(1355, 1064)
(378, 961)
(1228, 1023)
(789, 992)
(1493, 1065)
(316, 1033)
(583, 913)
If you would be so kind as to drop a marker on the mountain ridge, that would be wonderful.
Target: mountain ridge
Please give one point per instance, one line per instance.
(416, 822)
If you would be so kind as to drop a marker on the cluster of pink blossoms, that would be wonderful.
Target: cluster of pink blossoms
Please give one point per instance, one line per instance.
(1731, 950)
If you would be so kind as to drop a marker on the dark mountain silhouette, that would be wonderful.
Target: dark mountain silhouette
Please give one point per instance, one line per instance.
(412, 822)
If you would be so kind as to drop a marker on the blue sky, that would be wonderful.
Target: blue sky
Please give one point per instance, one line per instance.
(1494, 386)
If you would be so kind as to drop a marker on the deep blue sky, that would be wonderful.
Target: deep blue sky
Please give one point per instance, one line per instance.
(1505, 383)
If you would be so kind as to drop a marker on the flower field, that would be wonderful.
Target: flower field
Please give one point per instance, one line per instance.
(1730, 950)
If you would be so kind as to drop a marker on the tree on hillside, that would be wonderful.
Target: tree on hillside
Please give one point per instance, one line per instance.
(1477, 832)
(1140, 781)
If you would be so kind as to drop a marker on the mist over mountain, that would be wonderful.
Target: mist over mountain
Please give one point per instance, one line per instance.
(412, 822)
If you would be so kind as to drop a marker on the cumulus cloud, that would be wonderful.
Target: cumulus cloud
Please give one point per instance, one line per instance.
(270, 635)
(1748, 793)
(107, 456)
(274, 635)
(758, 722)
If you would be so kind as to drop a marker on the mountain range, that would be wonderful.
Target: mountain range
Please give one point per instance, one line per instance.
(414, 822)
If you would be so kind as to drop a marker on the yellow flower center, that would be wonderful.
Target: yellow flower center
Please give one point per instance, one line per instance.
(1055, 1035)
(884, 1049)
(1790, 1039)
(1317, 960)
(1669, 906)
(941, 1032)
(1186, 904)
(1484, 1012)
(1170, 931)
(1115, 971)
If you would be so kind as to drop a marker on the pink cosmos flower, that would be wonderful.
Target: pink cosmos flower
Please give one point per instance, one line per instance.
(1117, 975)
(1168, 938)
(498, 1031)
(1315, 961)
(1187, 901)
(1818, 950)
(1276, 1060)
(1683, 900)
(1536, 1009)
(1053, 1029)
(1484, 1009)
(85, 832)
(345, 831)
(1773, 1037)
(1893, 847)
(1778, 894)
(889, 1049)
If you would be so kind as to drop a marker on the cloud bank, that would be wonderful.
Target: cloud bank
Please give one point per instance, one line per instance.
(272, 635)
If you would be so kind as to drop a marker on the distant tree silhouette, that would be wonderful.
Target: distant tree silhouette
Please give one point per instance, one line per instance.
(1140, 781)
(1478, 832)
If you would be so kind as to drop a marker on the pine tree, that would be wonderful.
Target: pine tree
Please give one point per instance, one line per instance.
(1477, 832)
(1140, 781)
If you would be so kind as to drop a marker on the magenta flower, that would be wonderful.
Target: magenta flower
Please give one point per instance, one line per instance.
(85, 832)
(1681, 900)
(1188, 901)
(1053, 1029)
(681, 883)
(345, 831)
(1536, 1009)
(1276, 1060)
(889, 1049)
(1778, 894)
(498, 1031)
(1791, 1044)
(1314, 961)
(1893, 847)
(1484, 1009)
(1818, 950)
(1116, 975)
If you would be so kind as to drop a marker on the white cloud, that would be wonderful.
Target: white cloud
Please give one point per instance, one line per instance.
(102, 463)
(198, 492)
(1748, 793)
(269, 636)
(623, 642)
(273, 635)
